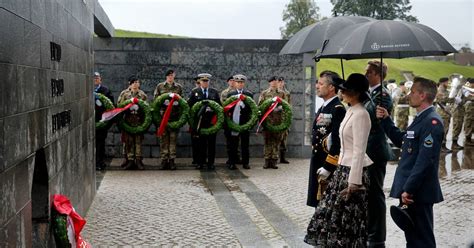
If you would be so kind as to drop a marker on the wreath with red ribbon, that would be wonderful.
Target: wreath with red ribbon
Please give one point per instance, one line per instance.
(219, 116)
(108, 105)
(162, 120)
(144, 109)
(267, 107)
(230, 103)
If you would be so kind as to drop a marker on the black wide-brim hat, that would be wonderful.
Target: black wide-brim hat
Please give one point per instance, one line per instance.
(402, 218)
(355, 82)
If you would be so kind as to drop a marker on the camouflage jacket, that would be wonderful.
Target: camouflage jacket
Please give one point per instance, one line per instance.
(224, 94)
(165, 87)
(276, 116)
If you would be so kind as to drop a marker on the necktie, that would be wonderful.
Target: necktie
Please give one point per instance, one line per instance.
(205, 93)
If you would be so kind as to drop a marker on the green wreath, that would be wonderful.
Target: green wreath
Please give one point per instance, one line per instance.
(108, 106)
(287, 116)
(142, 127)
(60, 229)
(157, 116)
(216, 108)
(249, 103)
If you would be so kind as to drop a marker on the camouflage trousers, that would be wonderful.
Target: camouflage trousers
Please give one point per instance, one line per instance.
(469, 120)
(402, 117)
(133, 145)
(168, 145)
(458, 119)
(272, 145)
(446, 121)
(284, 137)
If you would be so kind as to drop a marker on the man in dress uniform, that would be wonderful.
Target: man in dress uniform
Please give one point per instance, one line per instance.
(133, 142)
(403, 109)
(206, 152)
(224, 95)
(272, 139)
(379, 152)
(442, 100)
(284, 136)
(325, 134)
(100, 134)
(194, 136)
(416, 181)
(240, 114)
(168, 139)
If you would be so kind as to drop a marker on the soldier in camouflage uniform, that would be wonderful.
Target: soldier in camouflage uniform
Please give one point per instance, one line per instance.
(403, 109)
(442, 108)
(284, 135)
(469, 118)
(272, 139)
(168, 139)
(133, 142)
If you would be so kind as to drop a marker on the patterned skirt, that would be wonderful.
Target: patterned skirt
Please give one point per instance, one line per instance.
(337, 222)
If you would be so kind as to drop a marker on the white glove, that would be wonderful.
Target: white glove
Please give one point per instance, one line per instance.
(98, 102)
(208, 109)
(323, 173)
(134, 107)
(457, 100)
(175, 103)
(167, 102)
(278, 108)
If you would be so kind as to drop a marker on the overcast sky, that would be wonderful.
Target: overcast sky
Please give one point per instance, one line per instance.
(261, 19)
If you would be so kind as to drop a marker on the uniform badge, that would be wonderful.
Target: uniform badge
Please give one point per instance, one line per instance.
(434, 122)
(410, 134)
(196, 94)
(428, 141)
(322, 130)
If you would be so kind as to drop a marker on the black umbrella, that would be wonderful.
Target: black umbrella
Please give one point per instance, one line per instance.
(311, 38)
(385, 39)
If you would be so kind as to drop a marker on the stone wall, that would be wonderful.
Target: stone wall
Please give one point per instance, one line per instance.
(117, 58)
(47, 113)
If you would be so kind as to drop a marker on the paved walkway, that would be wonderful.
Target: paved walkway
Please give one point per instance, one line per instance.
(249, 208)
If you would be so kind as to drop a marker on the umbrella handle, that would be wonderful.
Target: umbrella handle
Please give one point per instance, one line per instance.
(318, 54)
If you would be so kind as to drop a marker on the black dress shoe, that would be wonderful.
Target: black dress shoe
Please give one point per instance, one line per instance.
(211, 167)
(130, 164)
(199, 166)
(246, 166)
(232, 167)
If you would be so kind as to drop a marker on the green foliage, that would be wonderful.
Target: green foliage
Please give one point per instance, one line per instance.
(377, 9)
(249, 103)
(424, 68)
(143, 127)
(108, 106)
(135, 34)
(297, 15)
(183, 112)
(287, 116)
(218, 110)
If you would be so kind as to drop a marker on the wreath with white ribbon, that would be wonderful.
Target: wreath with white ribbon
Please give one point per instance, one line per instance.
(233, 102)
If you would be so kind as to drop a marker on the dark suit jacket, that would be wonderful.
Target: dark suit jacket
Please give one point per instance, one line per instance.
(417, 171)
(107, 93)
(378, 148)
(197, 95)
(245, 112)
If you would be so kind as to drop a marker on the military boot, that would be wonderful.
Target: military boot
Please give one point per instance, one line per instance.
(267, 164)
(171, 164)
(139, 163)
(444, 148)
(282, 158)
(130, 164)
(124, 162)
(164, 164)
(468, 142)
(274, 164)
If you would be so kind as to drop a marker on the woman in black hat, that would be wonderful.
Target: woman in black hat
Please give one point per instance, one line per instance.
(340, 219)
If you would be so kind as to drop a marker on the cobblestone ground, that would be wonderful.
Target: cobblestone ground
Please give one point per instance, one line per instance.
(175, 209)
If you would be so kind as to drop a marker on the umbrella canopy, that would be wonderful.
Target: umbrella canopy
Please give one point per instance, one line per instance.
(385, 38)
(311, 38)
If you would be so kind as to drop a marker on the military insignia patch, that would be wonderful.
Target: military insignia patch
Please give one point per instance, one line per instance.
(428, 141)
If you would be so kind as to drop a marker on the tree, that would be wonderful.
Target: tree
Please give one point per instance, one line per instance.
(377, 9)
(297, 15)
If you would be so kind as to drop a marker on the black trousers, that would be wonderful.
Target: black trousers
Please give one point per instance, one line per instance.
(206, 147)
(377, 206)
(195, 146)
(243, 138)
(422, 236)
(100, 137)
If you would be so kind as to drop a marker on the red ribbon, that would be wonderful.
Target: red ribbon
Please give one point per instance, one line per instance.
(232, 104)
(109, 115)
(270, 109)
(166, 116)
(63, 205)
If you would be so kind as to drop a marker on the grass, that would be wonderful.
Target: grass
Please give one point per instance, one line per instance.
(134, 34)
(425, 68)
